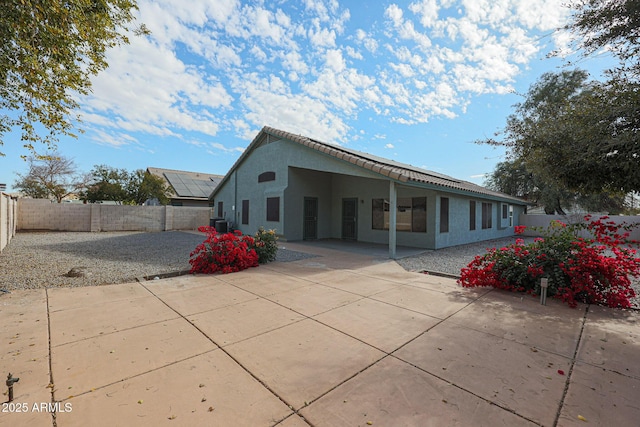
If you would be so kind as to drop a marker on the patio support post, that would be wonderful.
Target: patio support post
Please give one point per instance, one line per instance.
(392, 219)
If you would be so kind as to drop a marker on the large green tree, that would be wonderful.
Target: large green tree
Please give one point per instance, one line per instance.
(49, 50)
(513, 177)
(582, 134)
(122, 186)
(577, 133)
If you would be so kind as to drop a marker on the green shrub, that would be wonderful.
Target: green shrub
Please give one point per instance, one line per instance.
(266, 245)
(594, 270)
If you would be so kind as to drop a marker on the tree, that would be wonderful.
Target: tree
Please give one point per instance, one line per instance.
(513, 177)
(49, 49)
(50, 176)
(611, 116)
(144, 186)
(107, 185)
(579, 134)
(610, 24)
(119, 185)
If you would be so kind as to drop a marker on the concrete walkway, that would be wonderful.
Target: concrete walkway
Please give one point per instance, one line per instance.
(342, 339)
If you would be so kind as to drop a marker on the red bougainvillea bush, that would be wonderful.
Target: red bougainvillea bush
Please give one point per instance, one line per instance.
(224, 253)
(595, 270)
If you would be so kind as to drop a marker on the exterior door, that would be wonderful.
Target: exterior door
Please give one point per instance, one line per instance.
(350, 219)
(310, 227)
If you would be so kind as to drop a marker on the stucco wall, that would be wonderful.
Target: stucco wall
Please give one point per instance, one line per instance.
(545, 220)
(302, 172)
(37, 214)
(8, 212)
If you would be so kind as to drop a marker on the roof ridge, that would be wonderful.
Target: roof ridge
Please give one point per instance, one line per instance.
(183, 171)
(386, 167)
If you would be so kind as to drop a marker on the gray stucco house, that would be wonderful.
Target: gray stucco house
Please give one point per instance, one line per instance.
(307, 190)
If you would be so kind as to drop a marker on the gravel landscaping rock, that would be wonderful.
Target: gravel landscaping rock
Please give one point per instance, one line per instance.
(55, 259)
(451, 260)
(36, 260)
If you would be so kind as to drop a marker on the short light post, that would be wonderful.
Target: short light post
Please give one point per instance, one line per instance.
(544, 284)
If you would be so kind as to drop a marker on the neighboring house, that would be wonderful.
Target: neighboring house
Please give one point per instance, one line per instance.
(307, 189)
(188, 188)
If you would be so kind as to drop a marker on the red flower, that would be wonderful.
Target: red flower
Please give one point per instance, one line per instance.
(519, 229)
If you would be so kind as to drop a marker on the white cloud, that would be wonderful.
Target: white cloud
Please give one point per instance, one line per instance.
(236, 66)
(389, 146)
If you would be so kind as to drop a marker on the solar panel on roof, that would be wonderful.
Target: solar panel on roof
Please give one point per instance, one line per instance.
(186, 186)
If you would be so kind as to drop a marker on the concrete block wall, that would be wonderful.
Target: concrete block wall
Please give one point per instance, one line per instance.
(545, 220)
(187, 218)
(37, 214)
(8, 212)
(41, 214)
(132, 218)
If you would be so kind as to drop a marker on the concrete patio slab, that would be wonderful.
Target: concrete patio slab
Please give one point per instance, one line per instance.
(294, 421)
(24, 352)
(111, 358)
(425, 301)
(304, 360)
(321, 341)
(394, 393)
(314, 299)
(67, 298)
(206, 390)
(378, 324)
(205, 298)
(521, 318)
(181, 283)
(264, 285)
(610, 339)
(69, 325)
(508, 374)
(356, 283)
(600, 397)
(238, 322)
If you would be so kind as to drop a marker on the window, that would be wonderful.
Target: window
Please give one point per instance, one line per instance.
(472, 215)
(486, 215)
(505, 211)
(379, 214)
(411, 214)
(267, 176)
(510, 215)
(419, 213)
(220, 210)
(273, 209)
(245, 212)
(444, 214)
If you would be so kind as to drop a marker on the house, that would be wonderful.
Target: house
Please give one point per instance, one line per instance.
(187, 188)
(307, 189)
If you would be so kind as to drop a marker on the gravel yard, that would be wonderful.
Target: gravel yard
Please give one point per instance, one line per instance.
(452, 260)
(44, 259)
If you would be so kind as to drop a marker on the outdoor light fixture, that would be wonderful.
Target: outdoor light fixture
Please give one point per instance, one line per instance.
(544, 284)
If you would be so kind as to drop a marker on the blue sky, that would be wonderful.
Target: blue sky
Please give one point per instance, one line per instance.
(414, 81)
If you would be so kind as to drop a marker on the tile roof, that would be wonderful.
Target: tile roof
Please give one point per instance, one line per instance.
(389, 168)
(394, 170)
